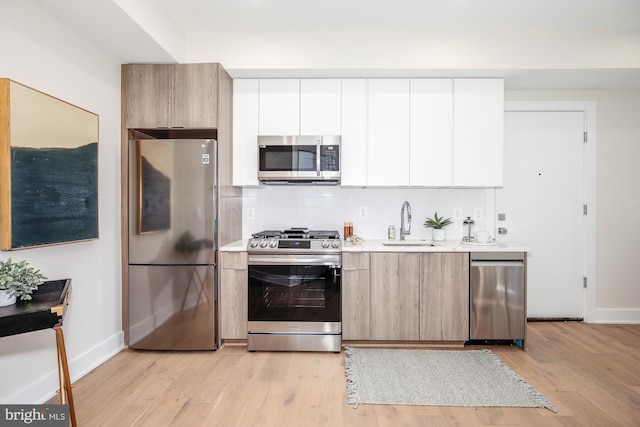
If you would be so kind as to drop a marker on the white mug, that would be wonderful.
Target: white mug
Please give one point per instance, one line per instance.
(483, 237)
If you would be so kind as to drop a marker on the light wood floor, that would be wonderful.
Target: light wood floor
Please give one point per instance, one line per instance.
(591, 373)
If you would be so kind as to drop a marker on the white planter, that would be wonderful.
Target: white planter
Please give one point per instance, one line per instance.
(439, 234)
(6, 299)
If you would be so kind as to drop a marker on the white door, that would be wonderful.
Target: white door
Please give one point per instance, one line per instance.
(542, 200)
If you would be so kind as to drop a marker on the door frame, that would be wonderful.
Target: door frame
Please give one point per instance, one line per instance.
(588, 108)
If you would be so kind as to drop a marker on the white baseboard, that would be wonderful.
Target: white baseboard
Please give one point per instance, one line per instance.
(615, 315)
(41, 391)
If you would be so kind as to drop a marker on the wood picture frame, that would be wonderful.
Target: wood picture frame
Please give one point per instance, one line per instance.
(48, 169)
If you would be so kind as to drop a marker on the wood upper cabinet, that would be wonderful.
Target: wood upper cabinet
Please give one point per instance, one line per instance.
(356, 293)
(234, 295)
(444, 296)
(171, 95)
(395, 296)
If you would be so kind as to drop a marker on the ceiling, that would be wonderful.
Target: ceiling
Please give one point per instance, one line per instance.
(124, 28)
(402, 15)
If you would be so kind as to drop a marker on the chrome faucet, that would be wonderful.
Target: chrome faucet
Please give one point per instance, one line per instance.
(404, 232)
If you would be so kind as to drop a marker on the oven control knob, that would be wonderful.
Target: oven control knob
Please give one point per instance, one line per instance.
(263, 243)
(325, 244)
(273, 243)
(254, 243)
(335, 244)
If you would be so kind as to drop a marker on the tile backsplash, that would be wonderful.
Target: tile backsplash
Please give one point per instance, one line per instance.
(329, 207)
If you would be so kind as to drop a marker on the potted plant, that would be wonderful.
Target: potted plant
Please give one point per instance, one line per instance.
(17, 279)
(438, 224)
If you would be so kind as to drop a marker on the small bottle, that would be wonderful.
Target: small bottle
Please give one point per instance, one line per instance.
(346, 231)
(391, 233)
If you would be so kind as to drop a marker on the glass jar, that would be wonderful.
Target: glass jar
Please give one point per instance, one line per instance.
(467, 229)
(391, 233)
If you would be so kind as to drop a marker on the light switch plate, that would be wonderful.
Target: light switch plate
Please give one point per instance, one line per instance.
(364, 212)
(457, 213)
(477, 213)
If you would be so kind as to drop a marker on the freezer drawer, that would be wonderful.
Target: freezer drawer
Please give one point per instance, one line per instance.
(498, 300)
(172, 307)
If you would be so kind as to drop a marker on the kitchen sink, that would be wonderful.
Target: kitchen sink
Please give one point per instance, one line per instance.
(408, 243)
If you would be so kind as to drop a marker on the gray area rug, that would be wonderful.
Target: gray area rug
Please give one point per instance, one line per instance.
(436, 377)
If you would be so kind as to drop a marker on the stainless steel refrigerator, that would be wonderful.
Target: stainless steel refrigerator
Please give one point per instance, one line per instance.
(172, 244)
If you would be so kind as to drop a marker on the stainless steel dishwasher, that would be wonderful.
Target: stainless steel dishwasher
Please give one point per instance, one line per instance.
(498, 297)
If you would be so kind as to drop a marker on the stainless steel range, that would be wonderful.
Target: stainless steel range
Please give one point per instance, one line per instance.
(294, 291)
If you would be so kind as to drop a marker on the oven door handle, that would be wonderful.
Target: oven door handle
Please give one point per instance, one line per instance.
(330, 260)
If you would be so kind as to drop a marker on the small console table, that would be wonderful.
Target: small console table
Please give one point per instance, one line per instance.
(45, 310)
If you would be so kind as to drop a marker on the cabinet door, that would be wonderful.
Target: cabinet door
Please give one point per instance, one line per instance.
(388, 152)
(444, 297)
(320, 106)
(147, 90)
(395, 293)
(356, 308)
(195, 95)
(234, 296)
(245, 132)
(279, 107)
(431, 133)
(478, 106)
(354, 132)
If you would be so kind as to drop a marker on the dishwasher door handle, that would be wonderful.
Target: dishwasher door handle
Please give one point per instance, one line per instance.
(498, 263)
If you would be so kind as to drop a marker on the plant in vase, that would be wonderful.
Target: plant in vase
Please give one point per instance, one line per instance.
(17, 279)
(438, 224)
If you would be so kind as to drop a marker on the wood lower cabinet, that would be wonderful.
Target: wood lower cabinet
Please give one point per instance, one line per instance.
(395, 296)
(444, 296)
(234, 295)
(356, 293)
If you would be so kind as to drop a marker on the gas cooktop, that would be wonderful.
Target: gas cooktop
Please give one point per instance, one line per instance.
(295, 240)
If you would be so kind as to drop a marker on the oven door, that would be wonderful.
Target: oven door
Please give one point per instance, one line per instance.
(294, 288)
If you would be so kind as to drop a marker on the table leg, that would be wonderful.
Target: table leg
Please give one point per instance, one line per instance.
(66, 396)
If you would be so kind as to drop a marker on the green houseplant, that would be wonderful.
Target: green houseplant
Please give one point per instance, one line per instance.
(18, 280)
(438, 223)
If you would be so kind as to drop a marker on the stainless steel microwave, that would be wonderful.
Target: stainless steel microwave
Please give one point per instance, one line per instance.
(299, 159)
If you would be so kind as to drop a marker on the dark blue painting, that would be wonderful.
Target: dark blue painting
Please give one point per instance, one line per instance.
(54, 195)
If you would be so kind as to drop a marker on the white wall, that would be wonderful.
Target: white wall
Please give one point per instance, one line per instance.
(40, 53)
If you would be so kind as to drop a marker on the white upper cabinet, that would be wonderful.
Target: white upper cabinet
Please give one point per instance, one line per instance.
(478, 106)
(354, 132)
(431, 133)
(245, 132)
(388, 150)
(320, 109)
(279, 107)
(395, 132)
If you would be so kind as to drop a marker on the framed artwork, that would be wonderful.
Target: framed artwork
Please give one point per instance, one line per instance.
(48, 169)
(153, 159)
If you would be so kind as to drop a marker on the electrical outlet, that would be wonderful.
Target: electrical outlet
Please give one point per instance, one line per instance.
(251, 213)
(457, 213)
(477, 213)
(364, 212)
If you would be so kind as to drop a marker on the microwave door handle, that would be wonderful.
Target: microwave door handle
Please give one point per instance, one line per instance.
(318, 155)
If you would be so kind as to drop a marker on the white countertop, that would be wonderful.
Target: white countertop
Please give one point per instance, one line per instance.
(378, 246)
